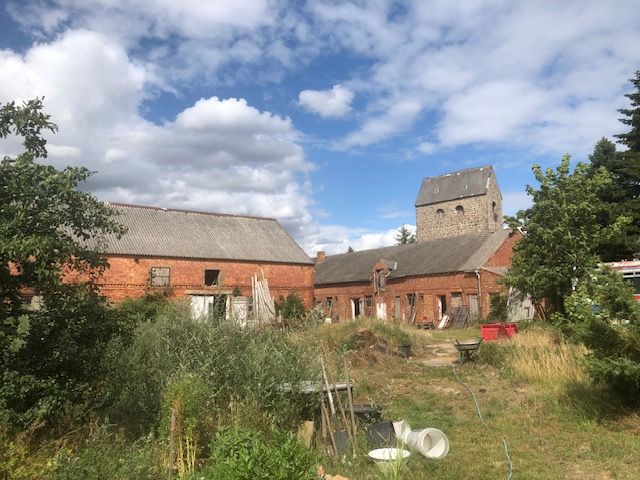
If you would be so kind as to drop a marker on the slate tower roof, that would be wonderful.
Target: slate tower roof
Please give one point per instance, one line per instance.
(451, 186)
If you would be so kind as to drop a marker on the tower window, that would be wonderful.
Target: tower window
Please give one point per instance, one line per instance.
(460, 210)
(439, 213)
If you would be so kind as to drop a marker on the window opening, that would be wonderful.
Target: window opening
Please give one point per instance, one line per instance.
(159, 276)
(460, 210)
(440, 213)
(211, 277)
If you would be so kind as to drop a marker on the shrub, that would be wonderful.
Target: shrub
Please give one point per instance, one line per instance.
(243, 454)
(134, 311)
(602, 314)
(55, 361)
(498, 311)
(291, 308)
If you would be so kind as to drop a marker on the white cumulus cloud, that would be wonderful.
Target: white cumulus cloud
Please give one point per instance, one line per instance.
(335, 102)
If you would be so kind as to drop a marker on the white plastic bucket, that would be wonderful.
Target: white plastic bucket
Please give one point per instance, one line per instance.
(430, 442)
(389, 459)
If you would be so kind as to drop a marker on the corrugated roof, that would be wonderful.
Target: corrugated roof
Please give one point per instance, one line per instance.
(457, 254)
(160, 232)
(462, 184)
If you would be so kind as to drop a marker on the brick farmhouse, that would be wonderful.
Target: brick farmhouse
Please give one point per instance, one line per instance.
(201, 256)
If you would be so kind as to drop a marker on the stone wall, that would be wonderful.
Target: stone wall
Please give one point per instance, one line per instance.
(479, 214)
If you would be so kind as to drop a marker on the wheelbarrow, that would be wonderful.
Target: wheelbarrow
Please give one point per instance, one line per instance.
(467, 349)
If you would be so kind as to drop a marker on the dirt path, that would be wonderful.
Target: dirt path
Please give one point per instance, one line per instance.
(439, 355)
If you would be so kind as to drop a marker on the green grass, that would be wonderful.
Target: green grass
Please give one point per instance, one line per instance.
(532, 392)
(554, 428)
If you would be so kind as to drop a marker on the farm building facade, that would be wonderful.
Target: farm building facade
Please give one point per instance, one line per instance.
(460, 254)
(204, 257)
(416, 283)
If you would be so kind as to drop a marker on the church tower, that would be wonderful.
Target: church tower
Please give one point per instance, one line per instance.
(459, 203)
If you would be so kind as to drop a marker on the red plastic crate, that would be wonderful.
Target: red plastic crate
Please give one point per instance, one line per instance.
(492, 331)
(510, 329)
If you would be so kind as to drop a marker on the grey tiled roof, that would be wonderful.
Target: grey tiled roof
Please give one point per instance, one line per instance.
(457, 254)
(159, 232)
(462, 184)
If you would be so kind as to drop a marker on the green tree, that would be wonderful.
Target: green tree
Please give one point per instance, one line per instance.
(621, 246)
(404, 236)
(562, 233)
(48, 229)
(627, 170)
(350, 249)
(47, 225)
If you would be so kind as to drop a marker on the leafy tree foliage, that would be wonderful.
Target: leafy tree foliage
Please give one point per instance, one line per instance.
(603, 314)
(404, 236)
(47, 225)
(48, 229)
(562, 232)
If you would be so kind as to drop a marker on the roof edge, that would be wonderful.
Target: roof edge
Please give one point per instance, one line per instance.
(198, 212)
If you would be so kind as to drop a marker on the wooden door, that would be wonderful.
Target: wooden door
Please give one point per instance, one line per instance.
(473, 306)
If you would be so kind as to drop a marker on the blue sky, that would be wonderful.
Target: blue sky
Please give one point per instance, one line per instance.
(325, 115)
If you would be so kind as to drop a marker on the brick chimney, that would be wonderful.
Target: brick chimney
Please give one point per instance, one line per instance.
(320, 257)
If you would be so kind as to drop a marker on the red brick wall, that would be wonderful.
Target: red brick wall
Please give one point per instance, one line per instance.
(129, 277)
(427, 286)
(502, 256)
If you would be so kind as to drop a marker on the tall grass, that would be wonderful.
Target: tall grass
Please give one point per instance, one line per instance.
(538, 356)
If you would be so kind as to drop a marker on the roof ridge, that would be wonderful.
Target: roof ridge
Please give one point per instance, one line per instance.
(484, 235)
(457, 172)
(179, 210)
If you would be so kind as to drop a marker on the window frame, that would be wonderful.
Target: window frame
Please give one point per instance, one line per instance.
(153, 276)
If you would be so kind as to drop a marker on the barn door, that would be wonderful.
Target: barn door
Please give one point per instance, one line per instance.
(473, 306)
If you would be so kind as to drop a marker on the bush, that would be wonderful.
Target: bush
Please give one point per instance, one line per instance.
(498, 311)
(603, 315)
(243, 454)
(134, 311)
(291, 308)
(54, 361)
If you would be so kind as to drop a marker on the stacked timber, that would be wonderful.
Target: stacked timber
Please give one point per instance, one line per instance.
(264, 310)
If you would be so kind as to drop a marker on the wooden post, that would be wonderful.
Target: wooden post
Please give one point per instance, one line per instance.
(350, 394)
(172, 444)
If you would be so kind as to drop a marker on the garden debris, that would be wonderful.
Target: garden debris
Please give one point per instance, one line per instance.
(326, 476)
(305, 433)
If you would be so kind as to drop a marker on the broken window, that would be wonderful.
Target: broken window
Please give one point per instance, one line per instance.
(211, 277)
(440, 213)
(368, 301)
(329, 303)
(380, 280)
(460, 210)
(411, 299)
(159, 276)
